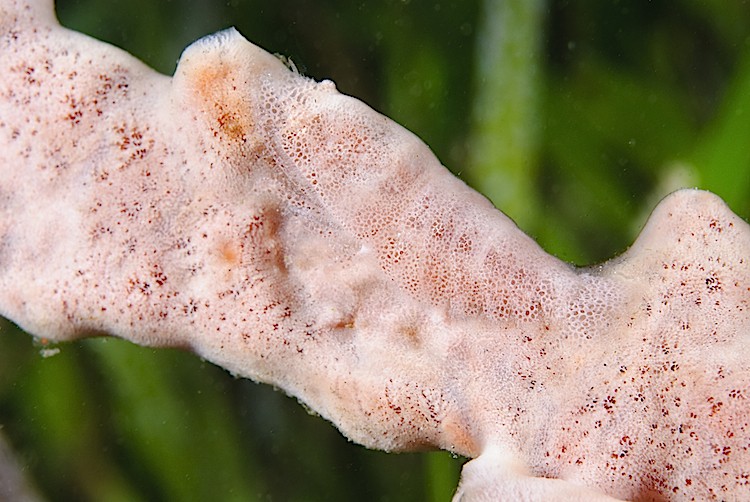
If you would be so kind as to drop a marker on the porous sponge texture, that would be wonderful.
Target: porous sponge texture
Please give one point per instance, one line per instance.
(295, 236)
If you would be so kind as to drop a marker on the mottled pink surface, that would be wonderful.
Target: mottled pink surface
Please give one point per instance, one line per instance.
(294, 236)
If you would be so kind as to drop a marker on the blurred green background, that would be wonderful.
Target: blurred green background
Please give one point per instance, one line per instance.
(574, 117)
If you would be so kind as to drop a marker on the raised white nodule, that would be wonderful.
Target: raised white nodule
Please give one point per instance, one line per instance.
(294, 236)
